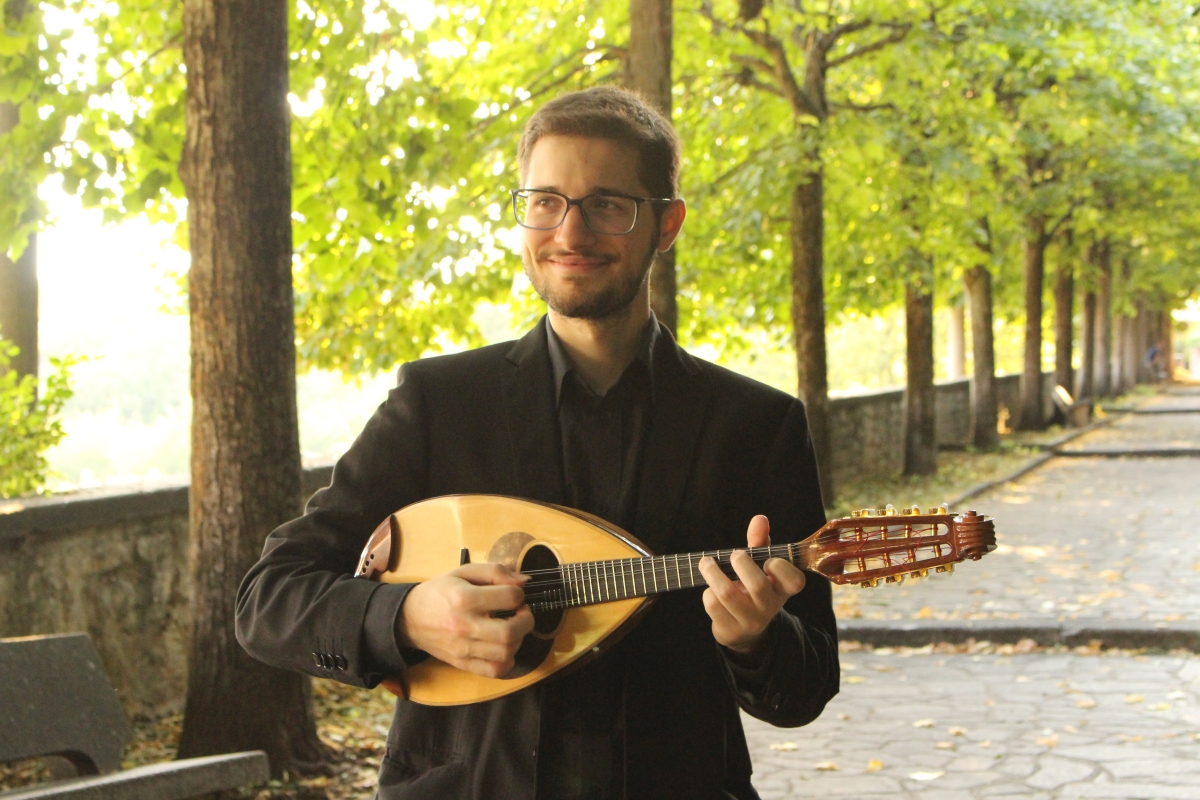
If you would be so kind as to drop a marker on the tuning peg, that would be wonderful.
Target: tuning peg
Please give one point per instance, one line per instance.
(870, 583)
(856, 513)
(890, 510)
(894, 579)
(920, 573)
(946, 568)
(943, 509)
(868, 512)
(913, 510)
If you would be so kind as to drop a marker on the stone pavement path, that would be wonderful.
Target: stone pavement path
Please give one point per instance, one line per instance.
(1082, 539)
(937, 727)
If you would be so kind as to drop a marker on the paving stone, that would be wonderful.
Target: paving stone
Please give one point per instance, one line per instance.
(1054, 771)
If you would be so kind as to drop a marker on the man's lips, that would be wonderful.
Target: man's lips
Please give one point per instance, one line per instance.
(575, 261)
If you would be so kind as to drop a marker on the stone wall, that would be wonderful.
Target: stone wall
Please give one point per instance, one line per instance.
(868, 429)
(113, 562)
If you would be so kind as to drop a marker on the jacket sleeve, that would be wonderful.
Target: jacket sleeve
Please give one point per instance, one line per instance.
(300, 608)
(798, 672)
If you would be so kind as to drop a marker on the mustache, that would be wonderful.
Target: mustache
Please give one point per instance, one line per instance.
(554, 252)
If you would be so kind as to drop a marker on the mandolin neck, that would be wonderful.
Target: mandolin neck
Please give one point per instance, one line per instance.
(593, 582)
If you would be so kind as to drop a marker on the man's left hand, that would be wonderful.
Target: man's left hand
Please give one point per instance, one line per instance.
(742, 609)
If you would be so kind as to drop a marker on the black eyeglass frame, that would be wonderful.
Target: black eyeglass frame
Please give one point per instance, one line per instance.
(579, 202)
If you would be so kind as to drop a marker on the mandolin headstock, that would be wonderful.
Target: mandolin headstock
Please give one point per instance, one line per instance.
(869, 545)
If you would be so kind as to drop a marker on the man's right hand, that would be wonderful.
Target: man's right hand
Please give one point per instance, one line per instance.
(450, 617)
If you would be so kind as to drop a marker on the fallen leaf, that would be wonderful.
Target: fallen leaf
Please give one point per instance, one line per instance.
(954, 730)
(1070, 729)
(783, 746)
(1085, 702)
(926, 776)
(1177, 696)
(1159, 707)
(1048, 741)
(826, 766)
(1124, 737)
(843, 717)
(986, 743)
(1110, 575)
(944, 745)
(924, 723)
(1134, 698)
(874, 765)
(854, 679)
(925, 613)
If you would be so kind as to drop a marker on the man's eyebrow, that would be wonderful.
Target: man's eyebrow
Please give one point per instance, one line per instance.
(591, 190)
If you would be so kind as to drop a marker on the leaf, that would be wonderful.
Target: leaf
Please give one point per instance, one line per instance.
(785, 747)
(924, 723)
(826, 766)
(926, 776)
(874, 765)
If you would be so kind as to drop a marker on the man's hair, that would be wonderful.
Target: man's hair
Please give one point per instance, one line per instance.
(607, 112)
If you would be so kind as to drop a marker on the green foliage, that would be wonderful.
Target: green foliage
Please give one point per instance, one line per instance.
(29, 424)
(938, 150)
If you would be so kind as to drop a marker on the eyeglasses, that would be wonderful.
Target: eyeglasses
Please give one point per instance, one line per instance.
(543, 210)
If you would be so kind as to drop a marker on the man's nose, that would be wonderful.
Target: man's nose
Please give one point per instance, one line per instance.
(574, 228)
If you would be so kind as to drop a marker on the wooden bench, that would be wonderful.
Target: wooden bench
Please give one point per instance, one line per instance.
(1075, 413)
(55, 700)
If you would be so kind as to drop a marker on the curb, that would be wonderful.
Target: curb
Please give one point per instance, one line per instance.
(1159, 452)
(1122, 634)
(986, 486)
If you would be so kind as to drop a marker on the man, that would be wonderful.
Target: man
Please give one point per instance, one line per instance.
(599, 409)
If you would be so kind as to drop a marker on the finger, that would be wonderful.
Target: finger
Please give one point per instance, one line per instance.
(731, 595)
(786, 577)
(487, 668)
(490, 574)
(758, 533)
(753, 578)
(485, 599)
(717, 611)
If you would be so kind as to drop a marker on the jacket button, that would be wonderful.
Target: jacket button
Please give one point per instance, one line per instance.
(340, 662)
(776, 702)
(317, 660)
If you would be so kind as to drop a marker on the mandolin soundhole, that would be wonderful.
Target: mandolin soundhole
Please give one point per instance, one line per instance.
(546, 622)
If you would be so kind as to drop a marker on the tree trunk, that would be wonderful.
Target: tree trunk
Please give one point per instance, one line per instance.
(808, 316)
(1142, 342)
(236, 169)
(1085, 387)
(1064, 312)
(18, 280)
(1035, 276)
(956, 352)
(984, 429)
(648, 72)
(920, 419)
(1104, 319)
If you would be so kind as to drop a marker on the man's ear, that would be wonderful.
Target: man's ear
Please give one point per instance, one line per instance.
(670, 223)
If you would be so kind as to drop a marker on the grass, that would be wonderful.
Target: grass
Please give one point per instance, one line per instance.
(958, 471)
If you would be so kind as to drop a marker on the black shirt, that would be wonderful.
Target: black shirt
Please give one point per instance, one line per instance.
(581, 752)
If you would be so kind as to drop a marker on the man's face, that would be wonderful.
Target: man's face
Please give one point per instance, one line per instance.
(579, 273)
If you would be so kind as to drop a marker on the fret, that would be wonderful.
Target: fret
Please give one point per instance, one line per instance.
(642, 563)
(654, 575)
(604, 572)
(678, 580)
(624, 587)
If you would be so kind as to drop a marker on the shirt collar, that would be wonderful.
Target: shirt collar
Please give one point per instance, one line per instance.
(561, 364)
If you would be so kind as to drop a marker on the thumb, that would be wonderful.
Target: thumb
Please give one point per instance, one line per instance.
(758, 534)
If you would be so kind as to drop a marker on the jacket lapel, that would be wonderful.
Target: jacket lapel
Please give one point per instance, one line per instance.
(680, 402)
(532, 419)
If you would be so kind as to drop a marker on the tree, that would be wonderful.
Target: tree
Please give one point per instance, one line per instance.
(648, 71)
(236, 168)
(819, 35)
(18, 243)
(1064, 317)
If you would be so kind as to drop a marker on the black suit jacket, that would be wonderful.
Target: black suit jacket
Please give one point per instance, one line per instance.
(721, 448)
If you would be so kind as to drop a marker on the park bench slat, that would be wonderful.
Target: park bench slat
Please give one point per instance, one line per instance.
(171, 780)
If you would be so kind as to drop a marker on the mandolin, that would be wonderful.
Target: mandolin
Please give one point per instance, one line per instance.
(590, 581)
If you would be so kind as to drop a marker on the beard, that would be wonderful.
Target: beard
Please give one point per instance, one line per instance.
(599, 304)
